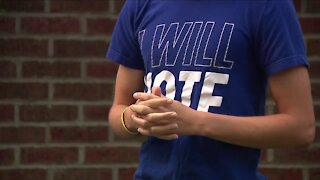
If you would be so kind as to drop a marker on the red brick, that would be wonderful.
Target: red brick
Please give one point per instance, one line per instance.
(23, 174)
(6, 156)
(315, 90)
(77, 91)
(46, 114)
(313, 6)
(50, 25)
(80, 48)
(23, 91)
(79, 134)
(48, 69)
(101, 6)
(100, 25)
(268, 95)
(112, 155)
(126, 174)
(7, 69)
(314, 174)
(314, 69)
(22, 6)
(83, 174)
(310, 25)
(12, 135)
(23, 47)
(96, 113)
(138, 139)
(7, 24)
(301, 155)
(6, 113)
(271, 108)
(282, 174)
(102, 69)
(52, 155)
(313, 47)
(264, 155)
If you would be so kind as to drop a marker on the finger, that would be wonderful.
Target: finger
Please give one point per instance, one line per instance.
(141, 122)
(153, 119)
(147, 96)
(154, 103)
(141, 109)
(138, 101)
(169, 137)
(156, 90)
(146, 132)
(161, 118)
(164, 129)
(144, 96)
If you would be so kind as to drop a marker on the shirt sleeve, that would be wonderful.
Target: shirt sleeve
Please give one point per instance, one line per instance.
(124, 48)
(279, 38)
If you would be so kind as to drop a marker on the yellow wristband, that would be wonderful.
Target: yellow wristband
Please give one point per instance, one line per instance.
(124, 124)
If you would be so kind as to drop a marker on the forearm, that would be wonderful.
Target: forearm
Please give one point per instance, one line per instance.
(128, 81)
(293, 126)
(271, 131)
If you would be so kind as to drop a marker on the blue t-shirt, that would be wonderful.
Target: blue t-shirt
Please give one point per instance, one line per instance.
(213, 56)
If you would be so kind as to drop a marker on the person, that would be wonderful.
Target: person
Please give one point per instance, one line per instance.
(192, 78)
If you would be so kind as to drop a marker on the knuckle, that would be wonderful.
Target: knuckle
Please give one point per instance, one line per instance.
(152, 117)
(169, 114)
(147, 110)
(151, 130)
(145, 124)
(143, 111)
(143, 102)
(175, 127)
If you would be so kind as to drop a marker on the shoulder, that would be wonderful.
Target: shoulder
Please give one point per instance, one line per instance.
(279, 5)
(136, 4)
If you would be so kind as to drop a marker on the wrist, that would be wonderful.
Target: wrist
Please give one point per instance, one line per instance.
(199, 128)
(208, 124)
(131, 126)
(194, 126)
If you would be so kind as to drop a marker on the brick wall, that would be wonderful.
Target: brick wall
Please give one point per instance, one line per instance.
(56, 89)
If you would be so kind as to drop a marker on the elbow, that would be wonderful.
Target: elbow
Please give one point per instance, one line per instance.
(310, 135)
(307, 135)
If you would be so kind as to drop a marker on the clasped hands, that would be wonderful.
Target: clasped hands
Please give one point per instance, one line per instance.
(159, 116)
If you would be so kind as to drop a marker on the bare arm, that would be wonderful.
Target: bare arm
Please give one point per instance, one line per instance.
(128, 81)
(293, 125)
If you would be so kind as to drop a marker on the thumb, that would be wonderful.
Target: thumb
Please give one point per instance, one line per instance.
(156, 90)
